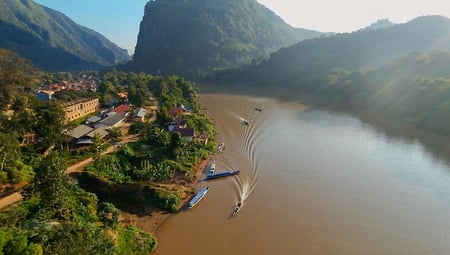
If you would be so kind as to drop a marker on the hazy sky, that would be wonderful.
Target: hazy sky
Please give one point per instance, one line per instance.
(119, 20)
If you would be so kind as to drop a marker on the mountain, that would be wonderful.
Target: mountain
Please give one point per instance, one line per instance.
(192, 38)
(379, 24)
(52, 41)
(299, 64)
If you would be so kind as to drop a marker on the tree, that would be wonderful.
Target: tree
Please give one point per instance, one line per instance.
(50, 123)
(53, 187)
(108, 214)
(12, 168)
(78, 238)
(15, 76)
(98, 146)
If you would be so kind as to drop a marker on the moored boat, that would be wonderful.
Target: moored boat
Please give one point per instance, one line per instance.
(222, 174)
(200, 194)
(212, 167)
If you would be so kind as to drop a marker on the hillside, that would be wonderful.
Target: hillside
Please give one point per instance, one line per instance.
(297, 65)
(51, 40)
(193, 38)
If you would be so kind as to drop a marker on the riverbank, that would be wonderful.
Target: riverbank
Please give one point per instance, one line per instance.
(149, 219)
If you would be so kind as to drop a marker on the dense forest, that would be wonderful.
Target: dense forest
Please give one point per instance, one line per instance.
(58, 213)
(194, 38)
(368, 72)
(52, 40)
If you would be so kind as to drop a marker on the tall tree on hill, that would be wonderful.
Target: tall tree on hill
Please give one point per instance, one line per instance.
(50, 124)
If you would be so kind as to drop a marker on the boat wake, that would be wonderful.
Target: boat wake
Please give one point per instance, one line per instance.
(251, 142)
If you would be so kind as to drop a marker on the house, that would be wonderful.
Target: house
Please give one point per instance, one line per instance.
(92, 120)
(177, 123)
(175, 111)
(187, 134)
(81, 108)
(122, 95)
(88, 138)
(28, 138)
(139, 114)
(100, 132)
(186, 109)
(114, 120)
(79, 131)
(122, 109)
(44, 95)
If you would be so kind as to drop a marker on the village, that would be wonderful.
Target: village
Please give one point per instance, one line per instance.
(98, 121)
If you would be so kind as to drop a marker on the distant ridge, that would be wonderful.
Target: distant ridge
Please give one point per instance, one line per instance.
(379, 24)
(312, 58)
(193, 38)
(52, 41)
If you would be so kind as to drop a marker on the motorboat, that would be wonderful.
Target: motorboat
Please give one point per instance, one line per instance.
(200, 194)
(221, 147)
(236, 209)
(244, 122)
(258, 109)
(222, 174)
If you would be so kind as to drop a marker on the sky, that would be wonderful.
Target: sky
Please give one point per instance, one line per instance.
(119, 20)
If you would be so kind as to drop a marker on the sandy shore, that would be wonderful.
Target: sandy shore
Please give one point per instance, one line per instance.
(150, 219)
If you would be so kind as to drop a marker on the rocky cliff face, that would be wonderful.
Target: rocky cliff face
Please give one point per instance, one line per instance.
(52, 41)
(193, 38)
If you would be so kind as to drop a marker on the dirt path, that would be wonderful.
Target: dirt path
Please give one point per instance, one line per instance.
(9, 200)
(79, 166)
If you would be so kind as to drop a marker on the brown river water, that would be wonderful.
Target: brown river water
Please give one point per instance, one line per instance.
(312, 182)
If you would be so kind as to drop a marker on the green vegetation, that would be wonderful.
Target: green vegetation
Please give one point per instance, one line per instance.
(53, 41)
(15, 76)
(57, 215)
(195, 38)
(369, 72)
(414, 90)
(159, 156)
(299, 65)
(134, 241)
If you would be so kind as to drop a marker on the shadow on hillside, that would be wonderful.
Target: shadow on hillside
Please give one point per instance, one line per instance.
(137, 199)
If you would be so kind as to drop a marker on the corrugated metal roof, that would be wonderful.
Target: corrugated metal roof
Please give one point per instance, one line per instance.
(79, 131)
(94, 119)
(139, 112)
(99, 131)
(112, 120)
(123, 108)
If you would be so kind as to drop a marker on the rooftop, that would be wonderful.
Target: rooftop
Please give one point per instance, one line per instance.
(79, 131)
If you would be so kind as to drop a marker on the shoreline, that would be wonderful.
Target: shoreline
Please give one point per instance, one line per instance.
(150, 219)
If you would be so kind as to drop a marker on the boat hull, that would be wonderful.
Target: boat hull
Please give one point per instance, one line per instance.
(200, 194)
(222, 174)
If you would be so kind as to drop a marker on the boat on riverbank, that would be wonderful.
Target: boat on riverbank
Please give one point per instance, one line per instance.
(222, 174)
(200, 194)
(212, 167)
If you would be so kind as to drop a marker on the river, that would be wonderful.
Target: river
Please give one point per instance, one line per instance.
(313, 182)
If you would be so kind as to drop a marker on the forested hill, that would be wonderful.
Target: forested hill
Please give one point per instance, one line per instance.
(296, 65)
(51, 40)
(194, 37)
(413, 90)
